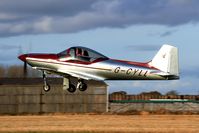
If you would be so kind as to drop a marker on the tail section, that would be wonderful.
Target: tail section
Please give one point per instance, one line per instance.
(166, 60)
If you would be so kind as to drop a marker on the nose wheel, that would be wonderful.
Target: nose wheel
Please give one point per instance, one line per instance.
(46, 86)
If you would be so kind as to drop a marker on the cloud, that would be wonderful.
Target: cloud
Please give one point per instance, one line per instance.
(4, 47)
(143, 47)
(64, 16)
(167, 33)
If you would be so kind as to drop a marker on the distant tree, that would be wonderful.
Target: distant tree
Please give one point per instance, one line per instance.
(15, 71)
(151, 93)
(120, 92)
(2, 71)
(172, 93)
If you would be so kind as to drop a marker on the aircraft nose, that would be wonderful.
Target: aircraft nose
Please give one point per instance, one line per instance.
(22, 57)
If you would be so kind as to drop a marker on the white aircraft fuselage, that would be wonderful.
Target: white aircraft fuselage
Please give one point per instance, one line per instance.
(87, 64)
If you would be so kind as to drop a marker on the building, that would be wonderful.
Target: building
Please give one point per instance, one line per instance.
(154, 102)
(26, 95)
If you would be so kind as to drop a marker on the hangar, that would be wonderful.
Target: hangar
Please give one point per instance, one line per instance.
(25, 95)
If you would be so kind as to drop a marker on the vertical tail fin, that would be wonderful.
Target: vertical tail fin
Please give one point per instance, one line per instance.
(166, 60)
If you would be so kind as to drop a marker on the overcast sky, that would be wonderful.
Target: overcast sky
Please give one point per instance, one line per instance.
(124, 29)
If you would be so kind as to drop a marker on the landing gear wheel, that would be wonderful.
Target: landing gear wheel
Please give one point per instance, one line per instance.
(71, 88)
(46, 88)
(82, 86)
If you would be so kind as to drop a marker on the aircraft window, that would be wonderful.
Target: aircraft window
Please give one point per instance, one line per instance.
(62, 54)
(82, 55)
(67, 54)
(79, 52)
(94, 55)
(86, 54)
(72, 52)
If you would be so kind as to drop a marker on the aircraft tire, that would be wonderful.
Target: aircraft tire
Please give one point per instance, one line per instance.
(83, 87)
(71, 88)
(46, 88)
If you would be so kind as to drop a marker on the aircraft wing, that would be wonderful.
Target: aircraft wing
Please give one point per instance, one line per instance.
(82, 75)
(61, 72)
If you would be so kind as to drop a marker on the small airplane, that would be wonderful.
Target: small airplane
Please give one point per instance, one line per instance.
(86, 64)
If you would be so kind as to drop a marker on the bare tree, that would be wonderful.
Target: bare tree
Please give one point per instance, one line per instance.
(2, 71)
(172, 93)
(151, 93)
(15, 71)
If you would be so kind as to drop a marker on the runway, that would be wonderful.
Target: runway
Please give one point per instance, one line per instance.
(82, 123)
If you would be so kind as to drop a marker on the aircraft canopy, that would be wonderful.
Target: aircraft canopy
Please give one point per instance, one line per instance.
(81, 54)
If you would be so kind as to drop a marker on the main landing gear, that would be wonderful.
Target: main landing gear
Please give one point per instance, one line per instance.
(66, 84)
(71, 88)
(81, 85)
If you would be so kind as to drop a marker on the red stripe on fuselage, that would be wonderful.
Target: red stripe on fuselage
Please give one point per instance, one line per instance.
(55, 57)
(43, 56)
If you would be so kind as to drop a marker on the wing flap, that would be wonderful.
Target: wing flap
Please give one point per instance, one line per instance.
(62, 72)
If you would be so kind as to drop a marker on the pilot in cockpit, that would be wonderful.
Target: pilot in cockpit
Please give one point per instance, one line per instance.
(82, 54)
(78, 52)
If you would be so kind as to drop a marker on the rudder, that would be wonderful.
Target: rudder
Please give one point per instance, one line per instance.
(166, 60)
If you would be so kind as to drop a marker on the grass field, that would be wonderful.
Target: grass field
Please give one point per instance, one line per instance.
(86, 123)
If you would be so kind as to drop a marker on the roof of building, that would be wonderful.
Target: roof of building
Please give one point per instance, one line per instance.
(38, 81)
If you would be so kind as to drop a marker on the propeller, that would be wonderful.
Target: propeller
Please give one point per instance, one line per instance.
(25, 72)
(23, 57)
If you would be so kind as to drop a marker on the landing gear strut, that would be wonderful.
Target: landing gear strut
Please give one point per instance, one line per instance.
(68, 86)
(46, 86)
